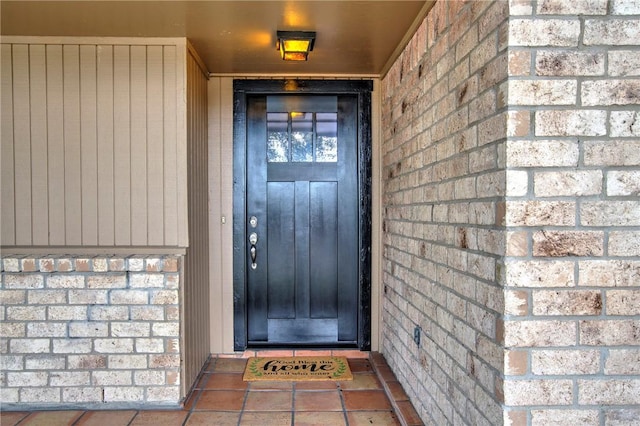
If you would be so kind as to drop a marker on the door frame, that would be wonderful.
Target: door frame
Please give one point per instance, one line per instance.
(362, 90)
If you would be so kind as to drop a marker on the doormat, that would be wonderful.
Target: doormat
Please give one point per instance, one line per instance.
(298, 368)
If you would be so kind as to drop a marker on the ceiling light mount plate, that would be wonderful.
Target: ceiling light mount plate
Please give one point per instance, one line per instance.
(295, 45)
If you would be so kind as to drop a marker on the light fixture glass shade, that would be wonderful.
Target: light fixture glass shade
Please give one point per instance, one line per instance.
(295, 45)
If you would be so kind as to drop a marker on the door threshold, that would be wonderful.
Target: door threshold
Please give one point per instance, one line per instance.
(348, 353)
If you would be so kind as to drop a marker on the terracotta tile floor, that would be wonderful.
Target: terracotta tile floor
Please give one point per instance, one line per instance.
(221, 397)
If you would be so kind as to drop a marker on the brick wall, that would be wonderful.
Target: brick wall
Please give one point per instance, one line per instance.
(444, 130)
(89, 331)
(511, 158)
(572, 271)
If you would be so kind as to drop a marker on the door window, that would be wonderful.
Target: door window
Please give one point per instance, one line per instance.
(302, 137)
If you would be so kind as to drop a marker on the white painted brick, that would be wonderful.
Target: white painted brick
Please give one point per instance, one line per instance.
(516, 303)
(87, 362)
(611, 31)
(23, 281)
(575, 7)
(107, 281)
(550, 417)
(29, 346)
(623, 302)
(26, 313)
(520, 7)
(561, 362)
(10, 264)
(624, 243)
(113, 345)
(612, 153)
(135, 264)
(145, 378)
(539, 273)
(625, 7)
(567, 183)
(88, 329)
(164, 297)
(540, 333)
(166, 329)
(610, 92)
(149, 345)
(12, 329)
(610, 213)
(542, 92)
(12, 362)
(108, 313)
(624, 63)
(623, 182)
(112, 378)
(88, 297)
(623, 362)
(621, 416)
(44, 362)
(625, 123)
(147, 313)
(47, 329)
(569, 63)
(9, 396)
(12, 297)
(538, 392)
(129, 329)
(46, 395)
(47, 297)
(567, 302)
(163, 393)
(608, 392)
(68, 378)
(71, 346)
(517, 183)
(146, 280)
(61, 313)
(123, 394)
(164, 361)
(27, 379)
(127, 362)
(568, 243)
(65, 281)
(542, 153)
(570, 123)
(129, 297)
(82, 394)
(556, 32)
(100, 265)
(609, 332)
(609, 273)
(540, 213)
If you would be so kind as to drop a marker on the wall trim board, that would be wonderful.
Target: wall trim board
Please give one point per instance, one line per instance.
(34, 251)
(116, 41)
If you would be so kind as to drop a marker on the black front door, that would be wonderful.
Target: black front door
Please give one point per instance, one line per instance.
(302, 227)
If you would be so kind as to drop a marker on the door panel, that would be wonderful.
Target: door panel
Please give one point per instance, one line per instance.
(302, 169)
(323, 247)
(281, 245)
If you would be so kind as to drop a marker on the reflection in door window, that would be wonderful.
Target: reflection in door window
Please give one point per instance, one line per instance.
(302, 137)
(327, 140)
(277, 137)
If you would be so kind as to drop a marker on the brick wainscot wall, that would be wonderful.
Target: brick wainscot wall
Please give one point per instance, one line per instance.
(88, 331)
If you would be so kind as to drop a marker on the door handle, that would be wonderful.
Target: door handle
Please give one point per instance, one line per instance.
(253, 239)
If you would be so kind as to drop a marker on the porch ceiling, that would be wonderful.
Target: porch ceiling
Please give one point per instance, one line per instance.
(238, 37)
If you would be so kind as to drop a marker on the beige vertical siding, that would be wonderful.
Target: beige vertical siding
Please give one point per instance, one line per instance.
(93, 144)
(221, 206)
(7, 172)
(196, 270)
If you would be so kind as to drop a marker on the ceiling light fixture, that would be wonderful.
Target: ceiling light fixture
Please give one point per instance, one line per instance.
(295, 45)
